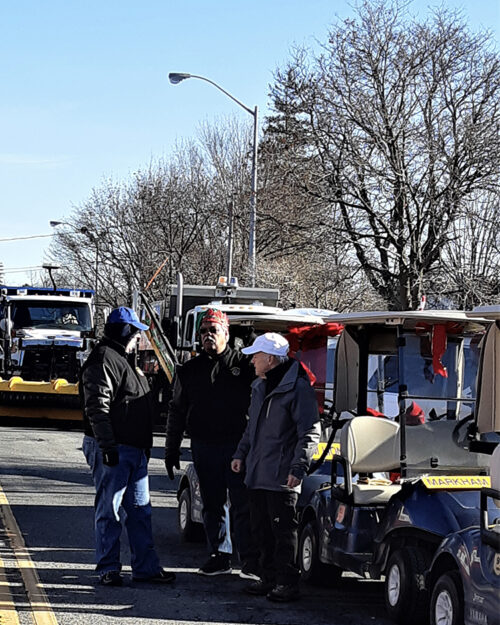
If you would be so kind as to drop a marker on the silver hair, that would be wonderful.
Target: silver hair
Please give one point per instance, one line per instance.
(281, 359)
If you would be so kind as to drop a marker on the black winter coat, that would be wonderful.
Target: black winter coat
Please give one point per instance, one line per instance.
(117, 403)
(210, 399)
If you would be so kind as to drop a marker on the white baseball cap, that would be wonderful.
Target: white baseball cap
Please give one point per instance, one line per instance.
(270, 343)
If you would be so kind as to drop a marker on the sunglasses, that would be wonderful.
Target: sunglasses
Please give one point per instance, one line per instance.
(211, 329)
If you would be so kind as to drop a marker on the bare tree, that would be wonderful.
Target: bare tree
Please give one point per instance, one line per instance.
(133, 227)
(172, 212)
(471, 258)
(395, 127)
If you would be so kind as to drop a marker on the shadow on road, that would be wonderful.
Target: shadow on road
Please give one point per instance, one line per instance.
(52, 500)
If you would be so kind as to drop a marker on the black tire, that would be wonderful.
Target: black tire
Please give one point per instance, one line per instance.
(312, 570)
(188, 529)
(406, 599)
(447, 601)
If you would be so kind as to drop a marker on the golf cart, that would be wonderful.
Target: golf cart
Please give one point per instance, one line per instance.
(404, 394)
(464, 577)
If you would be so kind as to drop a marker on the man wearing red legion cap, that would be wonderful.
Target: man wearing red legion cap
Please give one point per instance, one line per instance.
(210, 399)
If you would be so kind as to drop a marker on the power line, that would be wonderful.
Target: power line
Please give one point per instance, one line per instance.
(32, 236)
(21, 269)
(77, 230)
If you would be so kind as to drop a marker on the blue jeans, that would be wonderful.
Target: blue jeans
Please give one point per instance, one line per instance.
(124, 485)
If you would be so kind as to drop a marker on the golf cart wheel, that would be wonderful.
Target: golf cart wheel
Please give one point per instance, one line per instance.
(189, 530)
(312, 570)
(447, 603)
(406, 600)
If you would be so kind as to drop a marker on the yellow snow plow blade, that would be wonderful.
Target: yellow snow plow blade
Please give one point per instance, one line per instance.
(57, 399)
(59, 386)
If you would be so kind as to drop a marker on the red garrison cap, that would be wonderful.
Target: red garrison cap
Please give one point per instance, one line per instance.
(213, 315)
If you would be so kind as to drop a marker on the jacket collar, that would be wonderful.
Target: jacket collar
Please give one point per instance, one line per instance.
(222, 357)
(107, 342)
(287, 383)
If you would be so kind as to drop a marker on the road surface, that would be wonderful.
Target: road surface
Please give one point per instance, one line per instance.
(47, 487)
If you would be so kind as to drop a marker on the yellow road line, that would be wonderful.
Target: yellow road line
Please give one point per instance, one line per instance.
(41, 609)
(8, 613)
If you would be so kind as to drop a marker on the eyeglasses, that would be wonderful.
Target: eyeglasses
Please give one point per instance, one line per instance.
(211, 329)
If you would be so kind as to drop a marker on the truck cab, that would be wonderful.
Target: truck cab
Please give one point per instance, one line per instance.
(44, 333)
(45, 336)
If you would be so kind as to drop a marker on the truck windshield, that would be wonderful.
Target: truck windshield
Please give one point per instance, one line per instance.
(73, 316)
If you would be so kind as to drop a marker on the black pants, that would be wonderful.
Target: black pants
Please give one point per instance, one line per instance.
(274, 526)
(212, 462)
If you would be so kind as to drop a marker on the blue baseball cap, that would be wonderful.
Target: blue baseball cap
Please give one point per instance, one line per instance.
(122, 314)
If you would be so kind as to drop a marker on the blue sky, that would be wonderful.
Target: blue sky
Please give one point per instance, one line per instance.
(85, 94)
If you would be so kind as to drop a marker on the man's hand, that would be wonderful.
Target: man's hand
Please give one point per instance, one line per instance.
(236, 465)
(110, 456)
(292, 481)
(171, 461)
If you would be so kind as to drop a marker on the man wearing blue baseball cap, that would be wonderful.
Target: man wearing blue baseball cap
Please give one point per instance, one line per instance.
(118, 415)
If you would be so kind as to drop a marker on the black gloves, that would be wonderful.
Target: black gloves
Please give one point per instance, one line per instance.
(171, 461)
(110, 457)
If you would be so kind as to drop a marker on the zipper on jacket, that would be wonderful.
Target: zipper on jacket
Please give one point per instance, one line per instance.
(268, 407)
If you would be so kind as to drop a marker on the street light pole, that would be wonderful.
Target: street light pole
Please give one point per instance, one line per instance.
(229, 263)
(175, 78)
(253, 203)
(93, 238)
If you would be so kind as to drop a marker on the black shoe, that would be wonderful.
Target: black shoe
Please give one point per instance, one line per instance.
(217, 564)
(258, 588)
(162, 577)
(284, 592)
(111, 578)
(250, 570)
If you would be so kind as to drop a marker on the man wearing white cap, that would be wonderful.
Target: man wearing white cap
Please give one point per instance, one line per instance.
(275, 451)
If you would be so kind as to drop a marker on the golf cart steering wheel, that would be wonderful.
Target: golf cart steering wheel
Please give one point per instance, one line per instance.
(457, 435)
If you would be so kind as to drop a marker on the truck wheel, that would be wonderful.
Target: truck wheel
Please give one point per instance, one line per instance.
(406, 599)
(189, 530)
(447, 602)
(312, 570)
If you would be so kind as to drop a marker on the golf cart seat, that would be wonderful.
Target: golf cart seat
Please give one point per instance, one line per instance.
(369, 445)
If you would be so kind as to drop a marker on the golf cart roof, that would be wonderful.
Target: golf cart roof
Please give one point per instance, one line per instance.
(408, 318)
(276, 322)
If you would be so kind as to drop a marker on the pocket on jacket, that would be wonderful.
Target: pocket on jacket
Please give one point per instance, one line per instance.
(279, 468)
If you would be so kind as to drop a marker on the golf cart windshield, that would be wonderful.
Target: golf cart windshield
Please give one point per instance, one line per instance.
(423, 377)
(430, 395)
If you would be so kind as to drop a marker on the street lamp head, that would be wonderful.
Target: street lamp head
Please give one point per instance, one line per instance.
(175, 78)
(53, 224)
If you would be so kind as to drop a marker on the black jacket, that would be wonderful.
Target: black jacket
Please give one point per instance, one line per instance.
(210, 399)
(117, 403)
